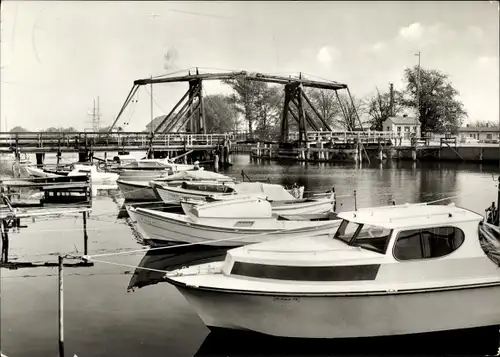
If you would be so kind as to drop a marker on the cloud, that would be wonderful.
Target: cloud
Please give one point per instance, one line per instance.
(487, 62)
(475, 33)
(327, 54)
(412, 32)
(417, 34)
(374, 48)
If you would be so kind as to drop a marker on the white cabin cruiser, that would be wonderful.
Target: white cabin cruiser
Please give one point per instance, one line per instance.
(224, 223)
(386, 271)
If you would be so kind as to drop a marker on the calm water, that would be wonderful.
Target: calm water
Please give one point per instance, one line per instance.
(105, 318)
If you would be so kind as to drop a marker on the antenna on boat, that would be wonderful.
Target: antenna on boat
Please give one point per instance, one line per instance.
(355, 201)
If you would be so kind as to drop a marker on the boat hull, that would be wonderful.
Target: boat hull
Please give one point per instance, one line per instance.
(36, 172)
(136, 192)
(322, 316)
(313, 207)
(176, 196)
(161, 230)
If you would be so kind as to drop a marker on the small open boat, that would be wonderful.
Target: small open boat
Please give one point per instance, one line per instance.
(224, 223)
(386, 271)
(98, 177)
(133, 189)
(177, 194)
(282, 201)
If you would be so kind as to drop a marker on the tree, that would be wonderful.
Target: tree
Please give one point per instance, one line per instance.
(435, 100)
(18, 129)
(269, 108)
(326, 103)
(246, 98)
(379, 108)
(60, 129)
(351, 112)
(484, 124)
(156, 121)
(220, 113)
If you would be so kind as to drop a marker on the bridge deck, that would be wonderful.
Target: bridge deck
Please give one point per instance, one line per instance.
(73, 142)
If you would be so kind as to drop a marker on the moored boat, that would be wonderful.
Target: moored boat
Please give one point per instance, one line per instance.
(133, 189)
(223, 223)
(282, 201)
(98, 177)
(387, 271)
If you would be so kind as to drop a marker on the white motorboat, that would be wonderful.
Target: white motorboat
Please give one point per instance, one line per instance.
(136, 190)
(223, 223)
(387, 271)
(34, 171)
(258, 189)
(192, 190)
(282, 201)
(97, 177)
(133, 189)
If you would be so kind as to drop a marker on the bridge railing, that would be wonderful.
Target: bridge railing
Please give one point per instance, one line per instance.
(122, 139)
(347, 136)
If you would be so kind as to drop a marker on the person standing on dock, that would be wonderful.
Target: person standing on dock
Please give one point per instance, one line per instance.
(295, 191)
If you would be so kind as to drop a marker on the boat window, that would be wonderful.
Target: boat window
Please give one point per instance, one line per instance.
(428, 243)
(373, 238)
(366, 236)
(346, 231)
(306, 273)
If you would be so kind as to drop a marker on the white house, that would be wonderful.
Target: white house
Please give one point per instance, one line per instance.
(484, 134)
(402, 125)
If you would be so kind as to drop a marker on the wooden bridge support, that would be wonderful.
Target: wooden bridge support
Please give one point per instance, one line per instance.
(40, 157)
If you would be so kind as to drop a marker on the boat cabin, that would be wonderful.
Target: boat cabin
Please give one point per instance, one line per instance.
(413, 242)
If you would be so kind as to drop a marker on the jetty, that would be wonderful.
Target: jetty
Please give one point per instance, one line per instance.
(41, 197)
(359, 146)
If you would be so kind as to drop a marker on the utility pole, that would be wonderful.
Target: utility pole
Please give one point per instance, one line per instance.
(151, 105)
(97, 117)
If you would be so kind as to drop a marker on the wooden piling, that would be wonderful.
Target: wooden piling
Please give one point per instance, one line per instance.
(5, 242)
(85, 235)
(61, 307)
(216, 163)
(39, 159)
(355, 201)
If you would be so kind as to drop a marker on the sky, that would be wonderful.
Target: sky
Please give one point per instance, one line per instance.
(56, 57)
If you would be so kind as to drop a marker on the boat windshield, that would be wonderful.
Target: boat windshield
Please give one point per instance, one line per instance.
(366, 236)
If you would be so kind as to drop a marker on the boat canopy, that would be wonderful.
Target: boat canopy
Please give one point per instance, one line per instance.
(272, 192)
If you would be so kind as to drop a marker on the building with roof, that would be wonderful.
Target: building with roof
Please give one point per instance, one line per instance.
(402, 125)
(485, 134)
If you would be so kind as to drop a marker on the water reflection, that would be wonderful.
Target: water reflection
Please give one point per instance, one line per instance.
(376, 183)
(481, 341)
(153, 265)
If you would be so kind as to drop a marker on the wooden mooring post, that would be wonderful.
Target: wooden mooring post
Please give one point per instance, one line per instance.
(85, 235)
(5, 241)
(61, 306)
